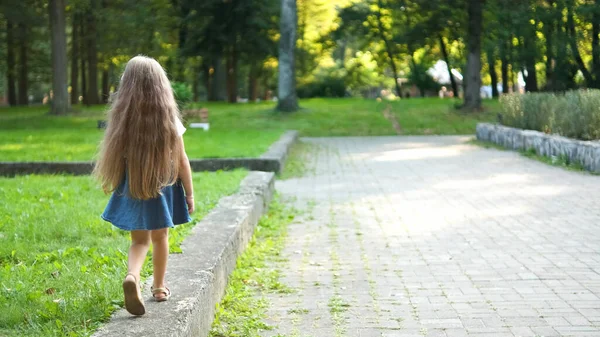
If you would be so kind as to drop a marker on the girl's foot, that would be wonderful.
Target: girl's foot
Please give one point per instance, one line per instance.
(161, 294)
(133, 297)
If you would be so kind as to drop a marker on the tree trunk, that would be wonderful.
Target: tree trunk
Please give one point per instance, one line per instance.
(232, 76)
(393, 65)
(531, 82)
(511, 67)
(531, 78)
(184, 12)
(596, 44)
(447, 60)
(288, 99)
(589, 79)
(493, 74)
(23, 96)
(301, 35)
(504, 71)
(253, 83)
(92, 54)
(388, 50)
(219, 85)
(266, 90)
(564, 72)
(207, 81)
(473, 73)
(195, 80)
(549, 35)
(343, 48)
(60, 101)
(515, 84)
(105, 85)
(82, 50)
(74, 61)
(10, 63)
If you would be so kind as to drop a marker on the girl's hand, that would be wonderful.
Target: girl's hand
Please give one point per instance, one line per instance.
(189, 199)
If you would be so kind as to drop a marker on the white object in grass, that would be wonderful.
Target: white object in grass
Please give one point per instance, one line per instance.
(204, 126)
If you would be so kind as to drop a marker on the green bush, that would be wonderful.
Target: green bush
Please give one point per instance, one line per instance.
(574, 114)
(183, 94)
(329, 86)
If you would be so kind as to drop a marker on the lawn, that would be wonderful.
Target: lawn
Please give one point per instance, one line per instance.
(30, 134)
(326, 117)
(61, 266)
(242, 310)
(439, 117)
(237, 130)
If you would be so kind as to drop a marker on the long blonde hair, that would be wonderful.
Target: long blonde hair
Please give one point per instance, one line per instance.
(141, 135)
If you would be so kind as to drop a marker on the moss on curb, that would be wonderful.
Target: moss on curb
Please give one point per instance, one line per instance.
(560, 161)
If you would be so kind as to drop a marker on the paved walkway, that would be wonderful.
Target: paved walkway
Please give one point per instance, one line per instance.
(429, 236)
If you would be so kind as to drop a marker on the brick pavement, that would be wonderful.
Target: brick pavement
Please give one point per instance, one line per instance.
(429, 236)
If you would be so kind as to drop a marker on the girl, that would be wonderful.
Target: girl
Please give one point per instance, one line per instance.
(142, 161)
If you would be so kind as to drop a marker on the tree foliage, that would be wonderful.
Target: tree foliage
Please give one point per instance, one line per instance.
(225, 49)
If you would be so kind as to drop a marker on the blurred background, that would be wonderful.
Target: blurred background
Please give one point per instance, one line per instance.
(249, 71)
(227, 50)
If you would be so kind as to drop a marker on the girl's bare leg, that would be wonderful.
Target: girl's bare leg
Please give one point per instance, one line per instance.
(160, 255)
(140, 243)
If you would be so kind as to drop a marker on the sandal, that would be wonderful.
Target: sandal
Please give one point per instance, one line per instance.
(134, 303)
(164, 290)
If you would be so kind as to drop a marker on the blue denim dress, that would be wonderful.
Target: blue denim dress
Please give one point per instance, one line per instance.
(166, 210)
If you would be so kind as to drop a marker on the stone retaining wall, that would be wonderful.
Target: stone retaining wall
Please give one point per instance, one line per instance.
(271, 161)
(574, 151)
(198, 276)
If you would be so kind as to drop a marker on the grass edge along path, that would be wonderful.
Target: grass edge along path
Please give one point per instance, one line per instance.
(243, 309)
(561, 162)
(61, 266)
(239, 130)
(298, 162)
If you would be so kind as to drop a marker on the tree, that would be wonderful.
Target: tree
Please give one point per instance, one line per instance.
(20, 15)
(92, 53)
(10, 62)
(60, 100)
(446, 57)
(82, 48)
(388, 46)
(371, 25)
(490, 53)
(23, 65)
(439, 24)
(288, 100)
(473, 72)
(592, 12)
(529, 51)
(75, 59)
(228, 37)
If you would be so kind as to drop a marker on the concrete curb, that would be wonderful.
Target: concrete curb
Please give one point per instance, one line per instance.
(279, 151)
(198, 277)
(271, 161)
(575, 151)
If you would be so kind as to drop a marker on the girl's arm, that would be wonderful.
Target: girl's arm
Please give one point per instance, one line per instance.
(185, 174)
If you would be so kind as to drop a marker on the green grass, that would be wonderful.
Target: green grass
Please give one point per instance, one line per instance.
(30, 134)
(237, 130)
(298, 161)
(327, 117)
(439, 117)
(242, 310)
(337, 305)
(61, 266)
